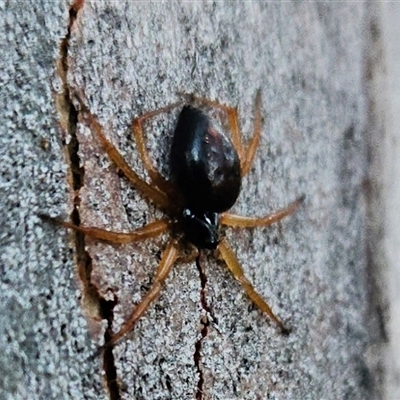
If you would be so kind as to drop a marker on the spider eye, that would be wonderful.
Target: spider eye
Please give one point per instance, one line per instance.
(201, 229)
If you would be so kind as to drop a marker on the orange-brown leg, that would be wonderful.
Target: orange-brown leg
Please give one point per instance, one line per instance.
(237, 271)
(254, 142)
(158, 197)
(190, 256)
(238, 221)
(168, 258)
(150, 230)
(137, 128)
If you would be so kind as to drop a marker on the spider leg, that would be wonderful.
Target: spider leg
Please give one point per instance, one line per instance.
(237, 271)
(233, 120)
(137, 128)
(238, 221)
(190, 256)
(150, 230)
(249, 153)
(168, 258)
(158, 197)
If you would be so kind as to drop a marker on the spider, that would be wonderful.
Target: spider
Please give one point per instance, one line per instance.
(207, 168)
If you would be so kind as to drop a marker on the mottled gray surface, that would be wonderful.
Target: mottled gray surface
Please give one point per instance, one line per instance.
(384, 136)
(133, 57)
(391, 194)
(43, 335)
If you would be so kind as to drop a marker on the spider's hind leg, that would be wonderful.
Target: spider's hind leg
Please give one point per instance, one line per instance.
(137, 128)
(155, 195)
(250, 151)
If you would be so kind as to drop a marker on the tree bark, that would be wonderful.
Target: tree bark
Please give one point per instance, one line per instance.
(202, 339)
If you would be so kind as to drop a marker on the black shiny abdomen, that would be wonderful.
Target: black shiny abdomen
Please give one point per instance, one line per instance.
(204, 164)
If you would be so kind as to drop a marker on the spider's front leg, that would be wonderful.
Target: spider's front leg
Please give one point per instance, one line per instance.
(227, 254)
(168, 259)
(237, 271)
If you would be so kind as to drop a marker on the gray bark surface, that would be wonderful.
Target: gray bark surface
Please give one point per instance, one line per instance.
(384, 199)
(44, 339)
(202, 339)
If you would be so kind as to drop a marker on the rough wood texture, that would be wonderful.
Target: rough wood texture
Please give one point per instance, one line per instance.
(43, 333)
(383, 75)
(203, 339)
(390, 14)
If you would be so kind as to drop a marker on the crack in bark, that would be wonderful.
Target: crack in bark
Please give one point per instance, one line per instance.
(69, 117)
(205, 322)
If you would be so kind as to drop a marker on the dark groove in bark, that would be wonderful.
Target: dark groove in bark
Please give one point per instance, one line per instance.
(204, 331)
(84, 262)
